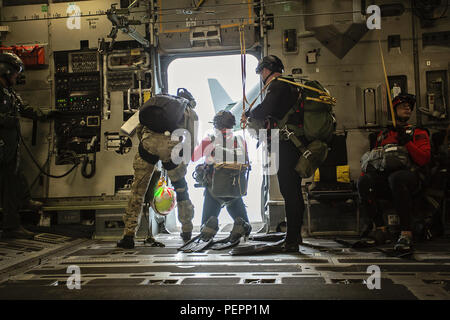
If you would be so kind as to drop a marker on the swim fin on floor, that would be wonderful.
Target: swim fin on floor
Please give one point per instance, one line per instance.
(225, 243)
(241, 229)
(274, 236)
(359, 244)
(204, 239)
(392, 253)
(258, 248)
(196, 244)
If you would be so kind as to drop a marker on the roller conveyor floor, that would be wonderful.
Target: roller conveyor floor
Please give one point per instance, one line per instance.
(323, 269)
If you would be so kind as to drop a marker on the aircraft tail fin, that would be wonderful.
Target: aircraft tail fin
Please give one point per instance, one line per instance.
(221, 99)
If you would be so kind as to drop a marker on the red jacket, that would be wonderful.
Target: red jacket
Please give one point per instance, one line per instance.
(419, 148)
(199, 150)
(206, 149)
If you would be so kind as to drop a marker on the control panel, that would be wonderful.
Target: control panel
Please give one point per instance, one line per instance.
(83, 61)
(78, 98)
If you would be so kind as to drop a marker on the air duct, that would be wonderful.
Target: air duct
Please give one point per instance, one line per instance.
(338, 25)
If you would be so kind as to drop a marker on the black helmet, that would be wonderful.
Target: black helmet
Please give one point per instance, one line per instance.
(184, 93)
(10, 63)
(224, 120)
(271, 62)
(404, 97)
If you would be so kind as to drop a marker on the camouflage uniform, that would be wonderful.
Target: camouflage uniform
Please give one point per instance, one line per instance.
(157, 146)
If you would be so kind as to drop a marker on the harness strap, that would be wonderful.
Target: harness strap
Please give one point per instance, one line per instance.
(324, 98)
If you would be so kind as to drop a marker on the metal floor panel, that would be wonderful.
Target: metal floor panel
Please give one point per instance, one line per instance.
(17, 252)
(323, 269)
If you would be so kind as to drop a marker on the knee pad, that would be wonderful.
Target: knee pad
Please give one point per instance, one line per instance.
(176, 176)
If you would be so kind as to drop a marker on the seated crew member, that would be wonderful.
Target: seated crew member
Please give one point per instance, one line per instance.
(154, 133)
(403, 182)
(14, 188)
(223, 122)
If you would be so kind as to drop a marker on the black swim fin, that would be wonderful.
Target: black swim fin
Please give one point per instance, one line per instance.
(274, 236)
(204, 239)
(258, 249)
(390, 252)
(359, 244)
(196, 244)
(241, 229)
(225, 243)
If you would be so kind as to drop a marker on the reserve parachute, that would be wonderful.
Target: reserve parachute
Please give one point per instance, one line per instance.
(163, 113)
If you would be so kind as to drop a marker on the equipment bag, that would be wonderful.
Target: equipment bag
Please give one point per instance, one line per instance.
(163, 112)
(310, 125)
(230, 180)
(314, 155)
(388, 158)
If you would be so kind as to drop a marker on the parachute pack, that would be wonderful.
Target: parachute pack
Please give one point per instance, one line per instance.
(163, 113)
(387, 158)
(309, 124)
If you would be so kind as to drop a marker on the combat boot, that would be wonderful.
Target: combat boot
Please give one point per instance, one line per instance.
(127, 242)
(18, 233)
(289, 247)
(404, 243)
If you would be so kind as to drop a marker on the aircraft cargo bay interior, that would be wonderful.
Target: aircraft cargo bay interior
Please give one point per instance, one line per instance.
(251, 151)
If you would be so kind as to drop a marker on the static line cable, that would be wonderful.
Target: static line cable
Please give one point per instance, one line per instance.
(244, 119)
(204, 20)
(387, 86)
(244, 98)
(243, 64)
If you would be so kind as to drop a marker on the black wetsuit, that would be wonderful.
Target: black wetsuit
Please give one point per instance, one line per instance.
(279, 99)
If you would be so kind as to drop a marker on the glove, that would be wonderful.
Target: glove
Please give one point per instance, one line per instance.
(402, 137)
